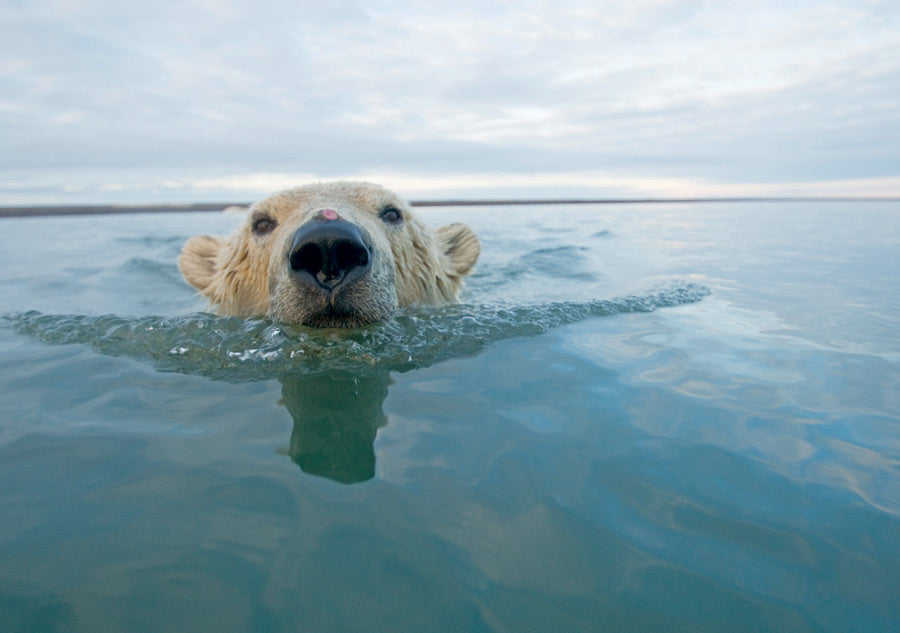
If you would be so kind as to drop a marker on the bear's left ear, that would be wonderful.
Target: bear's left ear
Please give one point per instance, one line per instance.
(461, 246)
(198, 260)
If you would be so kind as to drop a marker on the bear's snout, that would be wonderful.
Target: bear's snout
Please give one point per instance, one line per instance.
(329, 256)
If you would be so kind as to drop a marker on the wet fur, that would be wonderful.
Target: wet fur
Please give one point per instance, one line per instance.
(247, 274)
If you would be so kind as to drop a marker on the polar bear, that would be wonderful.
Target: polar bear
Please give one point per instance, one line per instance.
(330, 255)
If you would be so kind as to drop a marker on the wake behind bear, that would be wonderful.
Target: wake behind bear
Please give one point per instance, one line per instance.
(339, 254)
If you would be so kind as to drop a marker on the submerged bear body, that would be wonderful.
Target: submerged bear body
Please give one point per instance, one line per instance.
(339, 254)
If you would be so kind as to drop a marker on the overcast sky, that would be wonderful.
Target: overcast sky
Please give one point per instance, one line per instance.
(121, 101)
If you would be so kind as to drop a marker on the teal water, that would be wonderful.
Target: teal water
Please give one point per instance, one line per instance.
(639, 418)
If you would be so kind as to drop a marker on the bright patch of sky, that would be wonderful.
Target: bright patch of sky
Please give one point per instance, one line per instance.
(104, 100)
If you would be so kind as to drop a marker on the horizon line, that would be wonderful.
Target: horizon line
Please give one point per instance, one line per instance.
(44, 210)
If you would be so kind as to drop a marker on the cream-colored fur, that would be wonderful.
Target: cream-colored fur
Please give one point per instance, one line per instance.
(248, 274)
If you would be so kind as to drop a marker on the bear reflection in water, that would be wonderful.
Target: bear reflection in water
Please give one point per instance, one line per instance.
(336, 417)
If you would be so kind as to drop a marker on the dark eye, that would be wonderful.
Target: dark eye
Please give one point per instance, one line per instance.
(391, 215)
(263, 225)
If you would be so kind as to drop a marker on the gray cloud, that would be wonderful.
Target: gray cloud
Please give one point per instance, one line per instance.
(721, 92)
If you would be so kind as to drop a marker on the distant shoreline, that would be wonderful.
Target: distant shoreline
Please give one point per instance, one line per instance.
(101, 209)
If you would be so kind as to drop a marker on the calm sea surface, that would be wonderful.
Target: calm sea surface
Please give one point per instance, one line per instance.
(640, 418)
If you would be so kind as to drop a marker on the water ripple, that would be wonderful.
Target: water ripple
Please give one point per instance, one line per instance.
(238, 350)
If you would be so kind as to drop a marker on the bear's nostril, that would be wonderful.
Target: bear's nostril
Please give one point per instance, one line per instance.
(308, 258)
(350, 255)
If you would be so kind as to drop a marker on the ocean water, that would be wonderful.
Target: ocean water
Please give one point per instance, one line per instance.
(678, 417)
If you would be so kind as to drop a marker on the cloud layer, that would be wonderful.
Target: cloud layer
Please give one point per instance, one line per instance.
(103, 97)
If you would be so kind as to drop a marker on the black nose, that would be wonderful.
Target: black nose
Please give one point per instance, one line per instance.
(326, 255)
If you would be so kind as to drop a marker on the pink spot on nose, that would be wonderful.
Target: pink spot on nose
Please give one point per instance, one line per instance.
(329, 214)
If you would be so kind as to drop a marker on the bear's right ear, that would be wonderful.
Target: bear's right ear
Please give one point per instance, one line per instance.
(198, 260)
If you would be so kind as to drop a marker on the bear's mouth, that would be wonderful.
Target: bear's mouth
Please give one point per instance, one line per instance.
(331, 317)
(299, 305)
